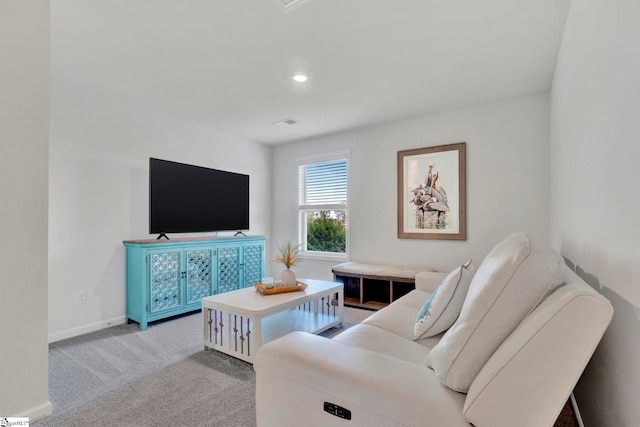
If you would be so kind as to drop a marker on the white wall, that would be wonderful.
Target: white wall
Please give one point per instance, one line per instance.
(24, 127)
(100, 148)
(595, 148)
(507, 183)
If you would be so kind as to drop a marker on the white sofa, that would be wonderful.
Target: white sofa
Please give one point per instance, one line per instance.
(525, 332)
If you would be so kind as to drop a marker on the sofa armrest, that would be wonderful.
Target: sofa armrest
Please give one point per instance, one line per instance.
(530, 377)
(428, 281)
(298, 373)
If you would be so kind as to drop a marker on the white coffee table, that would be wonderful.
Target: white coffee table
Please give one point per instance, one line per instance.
(239, 322)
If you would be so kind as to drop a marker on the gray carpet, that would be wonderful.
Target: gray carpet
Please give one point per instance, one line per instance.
(121, 376)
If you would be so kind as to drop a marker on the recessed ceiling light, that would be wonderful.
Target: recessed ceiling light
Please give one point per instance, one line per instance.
(300, 77)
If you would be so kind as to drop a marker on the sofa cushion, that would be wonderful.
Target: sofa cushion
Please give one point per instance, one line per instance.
(442, 308)
(534, 370)
(428, 281)
(513, 278)
(382, 341)
(400, 316)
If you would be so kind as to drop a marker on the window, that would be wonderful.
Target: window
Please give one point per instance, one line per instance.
(322, 205)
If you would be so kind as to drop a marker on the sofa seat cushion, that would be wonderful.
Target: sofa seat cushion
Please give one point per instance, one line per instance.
(513, 278)
(400, 317)
(382, 341)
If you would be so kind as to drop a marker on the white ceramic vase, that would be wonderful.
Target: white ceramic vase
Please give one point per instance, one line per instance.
(289, 277)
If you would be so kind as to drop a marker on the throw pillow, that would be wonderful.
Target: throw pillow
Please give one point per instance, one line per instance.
(442, 308)
(512, 279)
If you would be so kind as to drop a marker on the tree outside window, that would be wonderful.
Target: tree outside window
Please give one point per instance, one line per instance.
(326, 231)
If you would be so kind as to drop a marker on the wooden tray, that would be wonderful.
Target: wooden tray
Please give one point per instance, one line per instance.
(260, 288)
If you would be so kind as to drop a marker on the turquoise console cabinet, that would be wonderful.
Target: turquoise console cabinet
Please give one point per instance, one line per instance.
(170, 277)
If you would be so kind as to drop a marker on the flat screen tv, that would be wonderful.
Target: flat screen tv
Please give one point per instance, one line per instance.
(186, 198)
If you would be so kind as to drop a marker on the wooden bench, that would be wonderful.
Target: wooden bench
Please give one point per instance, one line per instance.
(373, 286)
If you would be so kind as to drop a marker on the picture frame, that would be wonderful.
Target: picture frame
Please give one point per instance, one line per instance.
(432, 192)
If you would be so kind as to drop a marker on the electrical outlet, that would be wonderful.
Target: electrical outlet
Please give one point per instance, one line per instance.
(81, 297)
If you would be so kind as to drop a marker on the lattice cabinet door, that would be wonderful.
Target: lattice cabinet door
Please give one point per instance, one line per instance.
(199, 273)
(252, 263)
(228, 268)
(165, 278)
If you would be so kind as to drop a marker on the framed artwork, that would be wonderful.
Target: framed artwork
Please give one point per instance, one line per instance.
(432, 192)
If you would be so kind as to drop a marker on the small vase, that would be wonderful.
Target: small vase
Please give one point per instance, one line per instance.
(289, 277)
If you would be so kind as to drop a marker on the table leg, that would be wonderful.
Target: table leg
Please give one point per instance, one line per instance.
(257, 334)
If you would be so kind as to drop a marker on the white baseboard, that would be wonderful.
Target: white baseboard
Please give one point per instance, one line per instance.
(81, 330)
(576, 411)
(37, 413)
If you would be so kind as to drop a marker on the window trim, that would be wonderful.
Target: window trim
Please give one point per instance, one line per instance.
(302, 209)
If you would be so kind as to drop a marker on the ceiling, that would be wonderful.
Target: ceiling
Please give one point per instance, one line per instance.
(227, 63)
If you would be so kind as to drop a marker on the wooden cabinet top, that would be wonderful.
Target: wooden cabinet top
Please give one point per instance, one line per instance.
(192, 239)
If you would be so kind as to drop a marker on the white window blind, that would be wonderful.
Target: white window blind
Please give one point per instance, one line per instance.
(323, 184)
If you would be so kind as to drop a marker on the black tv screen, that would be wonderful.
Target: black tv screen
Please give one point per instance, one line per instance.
(185, 198)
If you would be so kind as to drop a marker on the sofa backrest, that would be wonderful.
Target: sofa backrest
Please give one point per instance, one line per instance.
(512, 279)
(529, 378)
